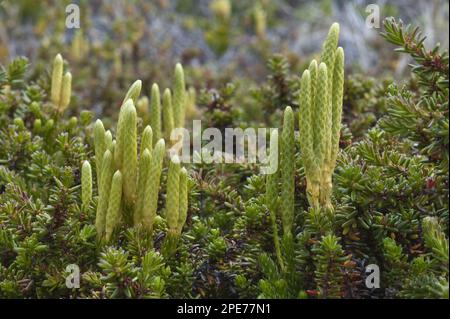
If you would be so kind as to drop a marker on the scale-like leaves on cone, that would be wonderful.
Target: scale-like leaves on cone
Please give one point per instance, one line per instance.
(143, 108)
(104, 189)
(150, 201)
(115, 198)
(183, 206)
(321, 128)
(66, 92)
(337, 96)
(272, 193)
(57, 77)
(305, 122)
(179, 93)
(272, 179)
(321, 94)
(329, 51)
(61, 86)
(173, 193)
(146, 140)
(108, 140)
(130, 98)
(168, 118)
(129, 164)
(307, 137)
(86, 184)
(99, 147)
(314, 72)
(133, 92)
(287, 170)
(143, 181)
(155, 113)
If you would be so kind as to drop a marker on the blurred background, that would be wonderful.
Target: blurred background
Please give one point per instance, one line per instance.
(217, 41)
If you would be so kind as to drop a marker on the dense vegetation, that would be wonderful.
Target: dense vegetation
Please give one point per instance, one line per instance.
(102, 194)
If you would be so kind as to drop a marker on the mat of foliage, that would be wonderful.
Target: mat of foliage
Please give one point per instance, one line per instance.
(390, 196)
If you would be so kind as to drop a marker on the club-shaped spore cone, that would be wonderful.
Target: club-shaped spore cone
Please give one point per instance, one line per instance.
(143, 180)
(129, 164)
(173, 194)
(272, 194)
(66, 92)
(150, 202)
(86, 184)
(57, 77)
(104, 190)
(179, 93)
(99, 147)
(329, 50)
(168, 118)
(183, 206)
(146, 140)
(155, 113)
(287, 170)
(337, 97)
(113, 217)
(133, 92)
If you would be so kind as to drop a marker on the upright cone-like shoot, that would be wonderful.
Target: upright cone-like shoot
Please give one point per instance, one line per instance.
(168, 118)
(335, 113)
(307, 139)
(272, 179)
(61, 89)
(287, 170)
(66, 92)
(272, 195)
(183, 207)
(322, 125)
(336, 99)
(321, 92)
(143, 108)
(150, 202)
(99, 147)
(120, 135)
(86, 184)
(142, 204)
(191, 97)
(155, 113)
(104, 190)
(260, 21)
(133, 92)
(79, 47)
(173, 194)
(57, 76)
(179, 100)
(146, 140)
(144, 172)
(115, 199)
(329, 51)
(129, 164)
(132, 96)
(109, 141)
(134, 188)
(305, 124)
(176, 205)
